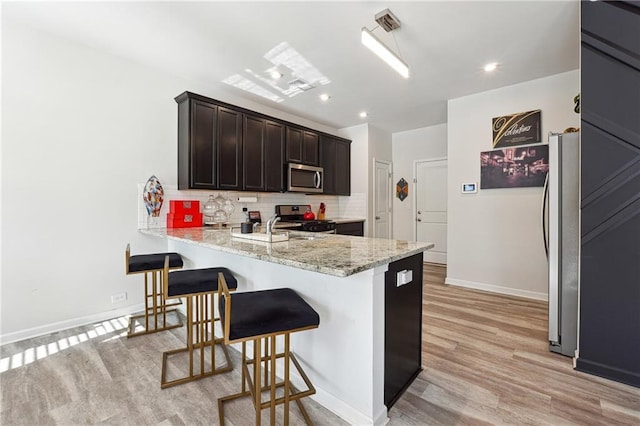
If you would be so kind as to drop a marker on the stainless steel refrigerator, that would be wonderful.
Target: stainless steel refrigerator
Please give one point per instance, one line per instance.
(561, 231)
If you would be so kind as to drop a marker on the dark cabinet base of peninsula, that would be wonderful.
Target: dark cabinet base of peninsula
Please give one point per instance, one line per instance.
(402, 328)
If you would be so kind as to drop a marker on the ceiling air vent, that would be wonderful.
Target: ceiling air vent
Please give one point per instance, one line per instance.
(299, 83)
(387, 20)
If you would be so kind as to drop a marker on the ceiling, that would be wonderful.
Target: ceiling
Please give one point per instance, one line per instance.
(446, 45)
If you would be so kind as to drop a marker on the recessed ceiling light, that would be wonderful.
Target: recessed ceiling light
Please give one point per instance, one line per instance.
(363, 114)
(324, 97)
(275, 74)
(491, 66)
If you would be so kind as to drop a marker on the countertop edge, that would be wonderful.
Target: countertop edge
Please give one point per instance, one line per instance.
(345, 272)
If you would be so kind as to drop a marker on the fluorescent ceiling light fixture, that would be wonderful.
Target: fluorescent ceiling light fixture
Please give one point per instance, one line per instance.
(383, 52)
(363, 114)
(491, 66)
(324, 97)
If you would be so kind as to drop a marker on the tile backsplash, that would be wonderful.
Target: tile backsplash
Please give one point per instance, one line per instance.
(354, 206)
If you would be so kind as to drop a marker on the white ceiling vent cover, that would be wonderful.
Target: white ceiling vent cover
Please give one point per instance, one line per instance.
(387, 20)
(299, 83)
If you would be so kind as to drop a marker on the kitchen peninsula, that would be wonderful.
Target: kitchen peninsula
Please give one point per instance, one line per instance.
(343, 278)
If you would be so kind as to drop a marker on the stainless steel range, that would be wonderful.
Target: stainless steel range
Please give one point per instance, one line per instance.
(294, 214)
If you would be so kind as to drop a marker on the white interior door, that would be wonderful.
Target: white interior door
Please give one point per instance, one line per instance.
(382, 199)
(431, 208)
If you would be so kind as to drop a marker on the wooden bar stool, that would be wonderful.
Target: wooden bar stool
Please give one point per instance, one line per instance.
(154, 302)
(198, 286)
(259, 315)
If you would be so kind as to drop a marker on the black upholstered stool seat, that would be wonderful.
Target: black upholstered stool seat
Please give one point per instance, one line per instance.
(199, 288)
(193, 281)
(152, 262)
(259, 318)
(155, 306)
(257, 313)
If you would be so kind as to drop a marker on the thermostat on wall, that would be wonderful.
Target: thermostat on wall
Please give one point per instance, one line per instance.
(469, 188)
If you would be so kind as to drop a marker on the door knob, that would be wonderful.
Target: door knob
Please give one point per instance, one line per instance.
(377, 217)
(419, 212)
(419, 220)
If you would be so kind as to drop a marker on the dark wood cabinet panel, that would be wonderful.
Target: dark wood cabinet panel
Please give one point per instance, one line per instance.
(294, 145)
(196, 144)
(229, 149)
(303, 146)
(310, 146)
(254, 153)
(402, 328)
(263, 155)
(350, 228)
(610, 209)
(274, 156)
(335, 159)
(343, 168)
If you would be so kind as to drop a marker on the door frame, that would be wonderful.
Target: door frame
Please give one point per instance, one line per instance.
(414, 214)
(390, 190)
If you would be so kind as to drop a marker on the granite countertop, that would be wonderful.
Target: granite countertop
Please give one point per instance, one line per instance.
(338, 255)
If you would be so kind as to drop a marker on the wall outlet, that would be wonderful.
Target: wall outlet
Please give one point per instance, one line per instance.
(119, 298)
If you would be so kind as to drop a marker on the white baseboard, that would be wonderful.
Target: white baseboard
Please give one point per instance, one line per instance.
(64, 325)
(345, 411)
(497, 289)
(435, 257)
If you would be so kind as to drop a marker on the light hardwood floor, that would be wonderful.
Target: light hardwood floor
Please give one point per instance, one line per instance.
(485, 361)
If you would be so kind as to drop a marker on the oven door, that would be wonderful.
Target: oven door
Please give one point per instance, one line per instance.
(304, 178)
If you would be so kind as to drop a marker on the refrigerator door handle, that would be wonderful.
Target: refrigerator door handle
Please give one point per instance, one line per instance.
(554, 188)
(545, 196)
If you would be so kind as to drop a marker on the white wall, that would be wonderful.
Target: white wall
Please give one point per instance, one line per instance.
(367, 143)
(379, 150)
(80, 130)
(418, 144)
(494, 236)
(360, 154)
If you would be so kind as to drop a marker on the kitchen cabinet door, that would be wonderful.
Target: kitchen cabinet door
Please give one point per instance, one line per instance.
(254, 153)
(336, 161)
(350, 228)
(328, 163)
(294, 145)
(303, 146)
(274, 162)
(310, 146)
(229, 149)
(343, 168)
(197, 167)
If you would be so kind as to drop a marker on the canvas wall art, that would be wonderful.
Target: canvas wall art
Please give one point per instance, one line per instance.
(514, 167)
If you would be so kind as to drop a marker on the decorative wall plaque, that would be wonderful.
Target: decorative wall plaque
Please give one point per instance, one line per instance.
(402, 189)
(522, 128)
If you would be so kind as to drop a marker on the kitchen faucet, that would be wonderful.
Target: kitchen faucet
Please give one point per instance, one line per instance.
(271, 223)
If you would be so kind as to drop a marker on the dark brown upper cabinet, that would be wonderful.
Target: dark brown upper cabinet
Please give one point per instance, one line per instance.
(274, 156)
(302, 146)
(335, 159)
(197, 167)
(263, 155)
(222, 146)
(229, 149)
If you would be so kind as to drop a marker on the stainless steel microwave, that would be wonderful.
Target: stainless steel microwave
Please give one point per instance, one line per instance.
(303, 178)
